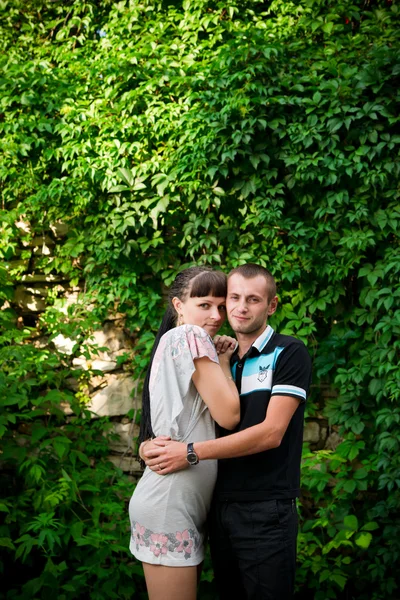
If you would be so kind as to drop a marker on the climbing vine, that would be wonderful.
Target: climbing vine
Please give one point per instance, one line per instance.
(161, 134)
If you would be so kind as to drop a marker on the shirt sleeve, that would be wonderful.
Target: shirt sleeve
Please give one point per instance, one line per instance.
(171, 378)
(199, 343)
(292, 376)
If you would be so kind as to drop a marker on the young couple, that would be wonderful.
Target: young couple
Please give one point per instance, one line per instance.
(257, 388)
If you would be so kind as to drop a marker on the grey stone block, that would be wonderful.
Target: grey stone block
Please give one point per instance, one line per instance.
(115, 399)
(311, 432)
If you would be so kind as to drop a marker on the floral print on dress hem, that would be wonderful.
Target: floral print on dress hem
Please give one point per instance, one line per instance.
(182, 542)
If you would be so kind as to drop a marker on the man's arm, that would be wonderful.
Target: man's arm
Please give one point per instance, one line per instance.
(171, 456)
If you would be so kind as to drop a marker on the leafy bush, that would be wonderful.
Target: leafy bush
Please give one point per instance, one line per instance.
(64, 504)
(163, 134)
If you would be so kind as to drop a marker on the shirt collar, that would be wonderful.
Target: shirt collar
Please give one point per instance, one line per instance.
(258, 344)
(263, 339)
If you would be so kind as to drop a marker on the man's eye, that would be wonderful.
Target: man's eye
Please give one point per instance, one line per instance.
(233, 297)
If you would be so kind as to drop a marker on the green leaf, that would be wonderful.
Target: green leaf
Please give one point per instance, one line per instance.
(7, 543)
(317, 97)
(61, 445)
(65, 475)
(327, 27)
(363, 540)
(350, 486)
(127, 176)
(371, 526)
(82, 457)
(218, 191)
(255, 160)
(118, 188)
(340, 580)
(373, 136)
(351, 522)
(360, 474)
(375, 386)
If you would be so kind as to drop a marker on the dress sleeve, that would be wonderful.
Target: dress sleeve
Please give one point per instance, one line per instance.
(292, 375)
(171, 378)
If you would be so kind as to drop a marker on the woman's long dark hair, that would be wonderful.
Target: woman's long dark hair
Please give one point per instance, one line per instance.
(194, 282)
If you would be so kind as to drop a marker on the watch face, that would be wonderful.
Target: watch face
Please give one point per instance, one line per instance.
(192, 458)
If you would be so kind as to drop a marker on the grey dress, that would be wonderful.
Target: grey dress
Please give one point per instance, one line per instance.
(168, 513)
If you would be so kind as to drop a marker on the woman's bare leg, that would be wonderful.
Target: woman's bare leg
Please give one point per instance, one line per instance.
(170, 583)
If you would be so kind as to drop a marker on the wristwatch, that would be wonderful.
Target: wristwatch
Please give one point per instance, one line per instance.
(191, 455)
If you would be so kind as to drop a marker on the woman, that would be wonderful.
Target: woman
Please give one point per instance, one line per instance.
(187, 389)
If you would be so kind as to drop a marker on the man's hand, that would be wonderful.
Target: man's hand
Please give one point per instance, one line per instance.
(143, 445)
(165, 456)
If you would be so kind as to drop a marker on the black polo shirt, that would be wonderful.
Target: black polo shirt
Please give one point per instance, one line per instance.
(275, 365)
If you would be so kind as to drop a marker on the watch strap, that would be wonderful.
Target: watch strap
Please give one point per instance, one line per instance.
(191, 455)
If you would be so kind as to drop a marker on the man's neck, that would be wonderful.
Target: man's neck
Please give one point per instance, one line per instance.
(246, 340)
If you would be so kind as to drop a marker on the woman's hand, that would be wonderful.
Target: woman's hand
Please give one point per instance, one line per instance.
(224, 344)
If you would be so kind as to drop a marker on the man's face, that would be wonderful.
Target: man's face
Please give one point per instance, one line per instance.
(247, 304)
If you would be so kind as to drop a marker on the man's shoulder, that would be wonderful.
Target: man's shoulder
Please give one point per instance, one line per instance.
(280, 340)
(289, 350)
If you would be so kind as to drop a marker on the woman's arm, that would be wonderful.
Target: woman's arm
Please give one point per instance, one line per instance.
(218, 390)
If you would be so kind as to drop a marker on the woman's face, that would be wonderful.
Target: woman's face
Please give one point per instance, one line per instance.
(208, 312)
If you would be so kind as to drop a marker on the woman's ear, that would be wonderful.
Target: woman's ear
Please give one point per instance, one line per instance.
(177, 304)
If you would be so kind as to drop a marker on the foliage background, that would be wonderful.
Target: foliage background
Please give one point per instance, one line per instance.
(167, 133)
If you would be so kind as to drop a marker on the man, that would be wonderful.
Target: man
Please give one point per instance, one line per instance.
(253, 521)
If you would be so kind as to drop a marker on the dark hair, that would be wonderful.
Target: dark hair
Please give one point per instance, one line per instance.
(250, 270)
(194, 282)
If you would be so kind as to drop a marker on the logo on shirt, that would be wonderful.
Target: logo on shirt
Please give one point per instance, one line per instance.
(262, 374)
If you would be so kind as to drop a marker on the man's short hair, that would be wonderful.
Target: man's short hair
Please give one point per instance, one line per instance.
(250, 270)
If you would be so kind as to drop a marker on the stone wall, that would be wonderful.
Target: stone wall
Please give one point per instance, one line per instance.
(112, 391)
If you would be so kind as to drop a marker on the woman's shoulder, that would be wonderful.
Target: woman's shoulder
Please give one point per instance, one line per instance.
(194, 329)
(184, 331)
(193, 337)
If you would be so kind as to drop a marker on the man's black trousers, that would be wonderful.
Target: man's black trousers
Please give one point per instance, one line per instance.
(253, 549)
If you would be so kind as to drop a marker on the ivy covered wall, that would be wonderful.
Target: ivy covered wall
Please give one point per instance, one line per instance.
(146, 136)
